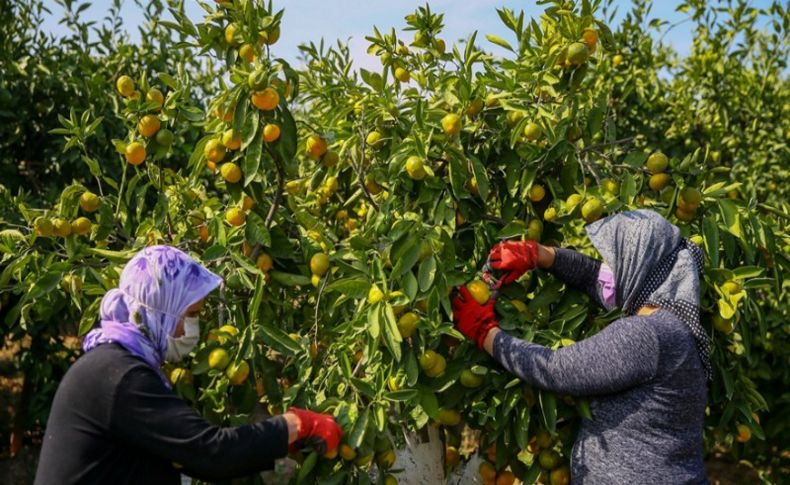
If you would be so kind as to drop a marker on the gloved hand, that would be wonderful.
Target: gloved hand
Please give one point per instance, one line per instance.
(512, 259)
(473, 319)
(314, 429)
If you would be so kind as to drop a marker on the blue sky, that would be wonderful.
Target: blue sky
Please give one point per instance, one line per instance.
(311, 20)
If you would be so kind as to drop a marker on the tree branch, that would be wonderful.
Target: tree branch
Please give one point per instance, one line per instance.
(275, 203)
(596, 146)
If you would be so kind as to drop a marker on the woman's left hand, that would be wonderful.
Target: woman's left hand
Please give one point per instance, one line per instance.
(473, 319)
(316, 429)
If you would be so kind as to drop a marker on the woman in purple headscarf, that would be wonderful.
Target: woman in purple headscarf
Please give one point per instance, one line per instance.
(115, 418)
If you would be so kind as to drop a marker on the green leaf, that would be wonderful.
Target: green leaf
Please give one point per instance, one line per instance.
(522, 427)
(279, 340)
(405, 262)
(289, 279)
(374, 327)
(372, 79)
(583, 408)
(635, 159)
(758, 283)
(409, 284)
(412, 368)
(255, 231)
(744, 272)
(732, 219)
(427, 273)
(307, 466)
(345, 365)
(710, 233)
(380, 416)
(168, 80)
(429, 402)
(481, 176)
(46, 283)
(93, 166)
(89, 316)
(114, 256)
(287, 144)
(214, 252)
(628, 189)
(499, 41)
(515, 228)
(548, 408)
(364, 387)
(358, 434)
(533, 473)
(257, 296)
(252, 160)
(355, 287)
(402, 395)
(249, 129)
(458, 175)
(392, 338)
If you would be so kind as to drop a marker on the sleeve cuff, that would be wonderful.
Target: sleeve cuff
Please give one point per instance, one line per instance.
(500, 340)
(279, 429)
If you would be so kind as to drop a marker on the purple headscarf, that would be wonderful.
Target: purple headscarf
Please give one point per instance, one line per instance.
(157, 286)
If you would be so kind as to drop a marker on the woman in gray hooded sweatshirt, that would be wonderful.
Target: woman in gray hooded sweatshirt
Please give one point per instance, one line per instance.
(646, 374)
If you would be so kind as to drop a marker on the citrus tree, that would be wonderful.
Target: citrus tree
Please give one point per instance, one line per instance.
(60, 82)
(342, 207)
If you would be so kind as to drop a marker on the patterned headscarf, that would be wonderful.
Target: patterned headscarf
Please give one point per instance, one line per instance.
(653, 265)
(156, 287)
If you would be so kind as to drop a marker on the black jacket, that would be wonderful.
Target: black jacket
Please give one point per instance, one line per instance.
(114, 421)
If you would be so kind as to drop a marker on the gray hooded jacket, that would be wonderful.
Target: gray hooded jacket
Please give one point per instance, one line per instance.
(645, 375)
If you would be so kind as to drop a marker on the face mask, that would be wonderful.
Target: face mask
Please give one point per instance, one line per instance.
(606, 287)
(180, 347)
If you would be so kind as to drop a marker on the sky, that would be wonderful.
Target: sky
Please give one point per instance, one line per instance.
(312, 20)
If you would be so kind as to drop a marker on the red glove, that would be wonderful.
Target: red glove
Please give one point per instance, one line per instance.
(473, 319)
(314, 429)
(513, 259)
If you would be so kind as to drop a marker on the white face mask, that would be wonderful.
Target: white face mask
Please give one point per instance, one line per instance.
(180, 347)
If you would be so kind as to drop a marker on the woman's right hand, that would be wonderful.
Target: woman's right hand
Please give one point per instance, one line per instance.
(512, 259)
(315, 429)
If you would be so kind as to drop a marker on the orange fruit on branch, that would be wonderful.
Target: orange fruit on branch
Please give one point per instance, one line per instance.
(231, 140)
(235, 216)
(81, 226)
(264, 262)
(155, 96)
(415, 168)
(319, 264)
(479, 291)
(214, 151)
(125, 86)
(407, 324)
(402, 75)
(135, 153)
(148, 125)
(218, 359)
(230, 172)
(89, 201)
(271, 133)
(657, 162)
(316, 146)
(451, 124)
(266, 100)
(237, 373)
